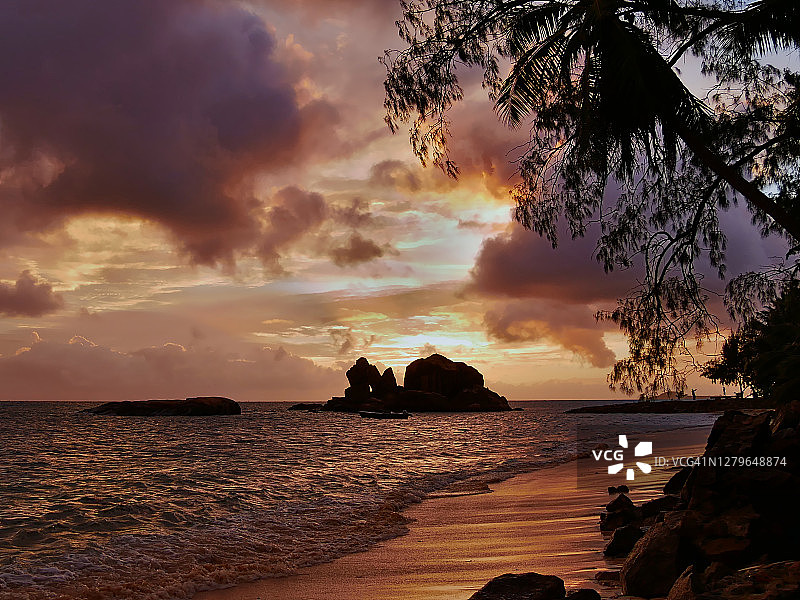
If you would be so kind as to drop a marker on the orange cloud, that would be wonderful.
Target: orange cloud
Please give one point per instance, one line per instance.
(571, 327)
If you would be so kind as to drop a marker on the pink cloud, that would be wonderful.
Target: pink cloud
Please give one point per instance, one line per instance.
(28, 297)
(572, 327)
(83, 370)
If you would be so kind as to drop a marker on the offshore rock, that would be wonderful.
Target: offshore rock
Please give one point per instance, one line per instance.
(194, 407)
(479, 399)
(363, 373)
(441, 375)
(433, 384)
(387, 384)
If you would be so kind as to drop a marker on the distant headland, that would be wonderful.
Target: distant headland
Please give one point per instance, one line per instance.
(678, 406)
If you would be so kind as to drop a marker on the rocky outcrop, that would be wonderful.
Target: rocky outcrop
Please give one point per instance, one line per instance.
(770, 581)
(458, 382)
(441, 375)
(523, 586)
(433, 384)
(658, 558)
(194, 407)
(735, 518)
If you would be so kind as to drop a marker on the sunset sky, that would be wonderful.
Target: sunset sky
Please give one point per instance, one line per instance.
(201, 197)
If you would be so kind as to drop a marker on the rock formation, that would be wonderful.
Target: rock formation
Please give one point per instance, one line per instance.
(441, 375)
(723, 530)
(433, 384)
(200, 406)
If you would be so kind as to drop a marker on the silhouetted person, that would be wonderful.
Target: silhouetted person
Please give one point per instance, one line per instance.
(694, 394)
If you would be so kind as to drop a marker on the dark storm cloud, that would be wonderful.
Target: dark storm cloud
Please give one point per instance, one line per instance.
(156, 109)
(520, 264)
(294, 212)
(356, 250)
(28, 297)
(544, 294)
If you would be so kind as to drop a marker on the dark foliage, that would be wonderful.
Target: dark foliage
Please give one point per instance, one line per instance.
(617, 138)
(765, 353)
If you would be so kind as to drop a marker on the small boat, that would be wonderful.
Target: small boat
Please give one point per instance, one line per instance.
(382, 414)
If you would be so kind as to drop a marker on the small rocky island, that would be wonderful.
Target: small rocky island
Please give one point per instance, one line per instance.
(432, 384)
(201, 406)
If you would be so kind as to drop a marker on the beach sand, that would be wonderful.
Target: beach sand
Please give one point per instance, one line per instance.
(539, 521)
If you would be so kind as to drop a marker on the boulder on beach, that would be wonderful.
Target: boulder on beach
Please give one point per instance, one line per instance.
(609, 578)
(623, 540)
(522, 586)
(193, 407)
(675, 483)
(621, 511)
(659, 557)
(654, 507)
(433, 384)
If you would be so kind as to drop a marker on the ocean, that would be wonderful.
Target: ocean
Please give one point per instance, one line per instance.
(100, 508)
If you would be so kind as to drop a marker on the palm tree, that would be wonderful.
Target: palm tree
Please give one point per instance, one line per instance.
(590, 62)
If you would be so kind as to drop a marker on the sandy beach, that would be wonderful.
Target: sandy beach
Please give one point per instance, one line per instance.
(539, 521)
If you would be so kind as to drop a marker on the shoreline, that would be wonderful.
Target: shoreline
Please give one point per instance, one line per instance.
(534, 521)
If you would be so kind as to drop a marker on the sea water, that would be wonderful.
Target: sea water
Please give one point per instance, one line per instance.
(102, 507)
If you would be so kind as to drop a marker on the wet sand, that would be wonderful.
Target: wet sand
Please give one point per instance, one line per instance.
(539, 521)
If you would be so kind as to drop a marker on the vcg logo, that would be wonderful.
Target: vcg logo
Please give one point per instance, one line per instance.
(618, 457)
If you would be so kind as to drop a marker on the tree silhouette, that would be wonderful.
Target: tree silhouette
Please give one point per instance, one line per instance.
(618, 138)
(765, 353)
